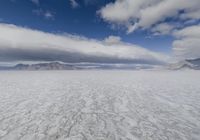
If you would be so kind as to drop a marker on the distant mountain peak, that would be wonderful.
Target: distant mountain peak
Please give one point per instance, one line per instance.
(186, 64)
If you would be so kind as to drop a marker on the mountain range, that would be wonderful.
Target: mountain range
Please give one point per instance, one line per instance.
(186, 64)
(75, 66)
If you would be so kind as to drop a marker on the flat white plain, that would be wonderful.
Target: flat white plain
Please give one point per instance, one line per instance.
(100, 105)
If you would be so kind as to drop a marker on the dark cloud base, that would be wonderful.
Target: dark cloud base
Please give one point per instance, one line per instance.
(17, 54)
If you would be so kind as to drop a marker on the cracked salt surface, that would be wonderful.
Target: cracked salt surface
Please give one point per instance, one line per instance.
(100, 105)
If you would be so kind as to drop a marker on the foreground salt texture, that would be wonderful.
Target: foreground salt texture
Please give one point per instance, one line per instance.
(100, 105)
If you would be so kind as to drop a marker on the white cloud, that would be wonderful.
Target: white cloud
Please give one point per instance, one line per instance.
(134, 14)
(191, 14)
(162, 29)
(74, 4)
(18, 43)
(187, 43)
(112, 40)
(48, 15)
(192, 31)
(131, 28)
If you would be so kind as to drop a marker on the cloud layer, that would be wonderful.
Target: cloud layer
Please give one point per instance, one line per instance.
(23, 44)
(187, 45)
(134, 14)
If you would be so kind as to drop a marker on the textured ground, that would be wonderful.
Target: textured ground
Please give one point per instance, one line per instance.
(100, 105)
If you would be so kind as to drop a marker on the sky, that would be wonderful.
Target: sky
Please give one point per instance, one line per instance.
(99, 31)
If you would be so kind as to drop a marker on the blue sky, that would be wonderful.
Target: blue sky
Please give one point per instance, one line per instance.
(152, 27)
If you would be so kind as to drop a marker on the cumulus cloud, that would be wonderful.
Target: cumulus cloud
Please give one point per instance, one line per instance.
(112, 40)
(187, 44)
(24, 44)
(74, 4)
(192, 31)
(134, 14)
(162, 29)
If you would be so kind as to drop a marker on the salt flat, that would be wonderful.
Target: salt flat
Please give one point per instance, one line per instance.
(100, 105)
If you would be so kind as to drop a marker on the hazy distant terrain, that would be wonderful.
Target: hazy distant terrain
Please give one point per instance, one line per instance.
(78, 66)
(99, 105)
